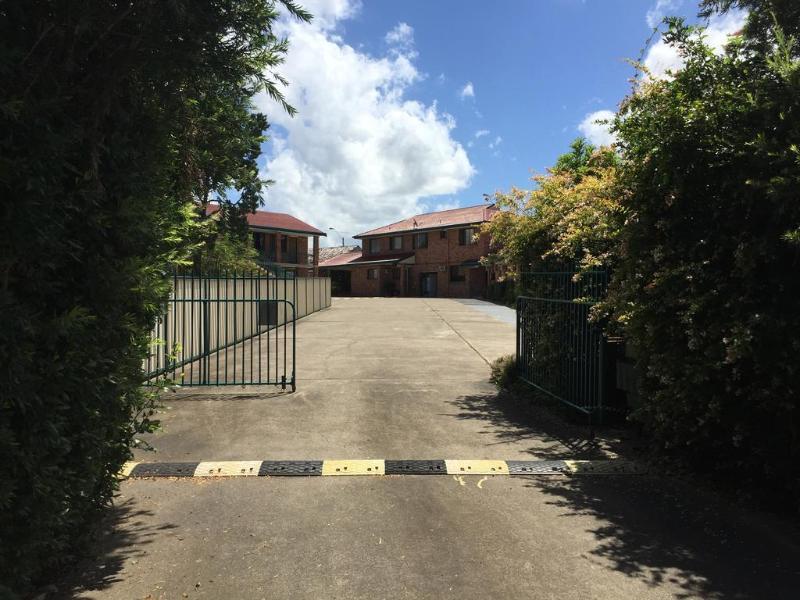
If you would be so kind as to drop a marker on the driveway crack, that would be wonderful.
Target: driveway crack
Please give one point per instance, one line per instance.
(463, 339)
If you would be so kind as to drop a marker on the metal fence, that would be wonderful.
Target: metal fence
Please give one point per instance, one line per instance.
(589, 286)
(232, 328)
(559, 351)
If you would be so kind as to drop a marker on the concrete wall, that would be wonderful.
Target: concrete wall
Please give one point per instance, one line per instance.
(208, 313)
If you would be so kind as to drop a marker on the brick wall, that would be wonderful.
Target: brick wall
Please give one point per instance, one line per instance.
(442, 253)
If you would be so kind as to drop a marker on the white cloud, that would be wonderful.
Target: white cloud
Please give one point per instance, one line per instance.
(401, 39)
(468, 91)
(497, 141)
(662, 58)
(360, 153)
(598, 134)
(481, 132)
(327, 13)
(659, 10)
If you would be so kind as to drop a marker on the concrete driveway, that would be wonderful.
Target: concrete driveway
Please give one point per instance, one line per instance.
(402, 378)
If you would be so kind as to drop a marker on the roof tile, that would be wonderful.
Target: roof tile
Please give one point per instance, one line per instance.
(442, 218)
(275, 220)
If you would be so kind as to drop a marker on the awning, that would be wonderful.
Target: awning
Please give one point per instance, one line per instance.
(404, 259)
(471, 264)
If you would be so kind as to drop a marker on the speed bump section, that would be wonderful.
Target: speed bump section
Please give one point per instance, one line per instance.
(289, 468)
(476, 467)
(603, 467)
(415, 467)
(353, 467)
(164, 469)
(127, 468)
(228, 468)
(537, 467)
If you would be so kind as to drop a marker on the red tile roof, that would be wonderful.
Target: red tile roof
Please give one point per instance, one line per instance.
(443, 218)
(355, 258)
(331, 251)
(341, 259)
(274, 220)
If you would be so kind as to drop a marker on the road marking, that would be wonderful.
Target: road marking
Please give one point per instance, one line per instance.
(457, 468)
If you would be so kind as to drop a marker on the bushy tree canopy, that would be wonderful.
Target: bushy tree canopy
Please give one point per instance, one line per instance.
(708, 272)
(571, 217)
(119, 121)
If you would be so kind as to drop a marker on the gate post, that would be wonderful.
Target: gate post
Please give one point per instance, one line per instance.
(206, 344)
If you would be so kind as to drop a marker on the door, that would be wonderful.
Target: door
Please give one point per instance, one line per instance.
(427, 284)
(477, 282)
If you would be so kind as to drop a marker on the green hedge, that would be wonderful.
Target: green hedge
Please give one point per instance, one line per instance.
(119, 121)
(707, 284)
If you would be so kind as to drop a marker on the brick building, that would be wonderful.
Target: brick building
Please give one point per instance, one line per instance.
(284, 242)
(433, 254)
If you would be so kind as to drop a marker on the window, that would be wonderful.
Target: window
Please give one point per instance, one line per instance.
(374, 246)
(457, 273)
(372, 273)
(466, 236)
(420, 240)
(396, 243)
(443, 234)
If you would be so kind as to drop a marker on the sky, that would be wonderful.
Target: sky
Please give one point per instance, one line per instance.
(415, 106)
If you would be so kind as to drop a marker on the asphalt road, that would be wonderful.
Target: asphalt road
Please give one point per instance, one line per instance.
(404, 379)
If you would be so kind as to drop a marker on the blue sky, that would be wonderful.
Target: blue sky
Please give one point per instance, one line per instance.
(423, 105)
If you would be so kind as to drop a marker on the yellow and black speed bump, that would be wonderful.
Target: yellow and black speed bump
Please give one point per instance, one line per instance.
(310, 468)
(289, 468)
(165, 469)
(415, 467)
(537, 467)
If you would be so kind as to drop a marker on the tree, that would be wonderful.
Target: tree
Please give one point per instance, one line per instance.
(572, 217)
(119, 120)
(706, 283)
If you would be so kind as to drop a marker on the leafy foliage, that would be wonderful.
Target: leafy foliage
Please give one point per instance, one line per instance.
(572, 216)
(503, 371)
(119, 120)
(707, 281)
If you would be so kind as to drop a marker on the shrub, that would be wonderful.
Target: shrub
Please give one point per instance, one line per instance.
(119, 121)
(504, 371)
(707, 283)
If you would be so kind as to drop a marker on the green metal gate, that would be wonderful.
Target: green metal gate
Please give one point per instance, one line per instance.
(226, 328)
(559, 351)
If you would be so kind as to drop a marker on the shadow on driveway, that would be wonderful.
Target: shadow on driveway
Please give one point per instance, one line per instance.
(513, 419)
(656, 529)
(123, 534)
(660, 530)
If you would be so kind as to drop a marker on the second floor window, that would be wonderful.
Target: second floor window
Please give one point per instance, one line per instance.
(420, 240)
(396, 243)
(466, 236)
(374, 246)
